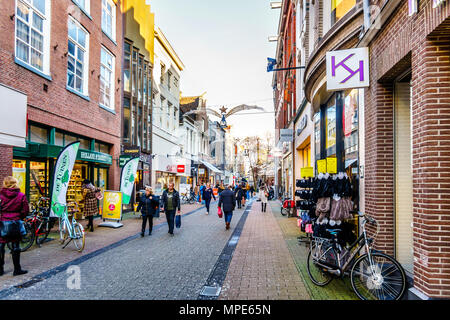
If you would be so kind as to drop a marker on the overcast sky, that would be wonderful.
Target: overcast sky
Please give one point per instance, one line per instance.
(224, 46)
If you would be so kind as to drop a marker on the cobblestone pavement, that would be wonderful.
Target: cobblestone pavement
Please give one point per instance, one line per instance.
(262, 267)
(154, 267)
(337, 289)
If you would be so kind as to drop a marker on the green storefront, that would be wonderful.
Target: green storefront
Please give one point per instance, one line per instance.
(33, 165)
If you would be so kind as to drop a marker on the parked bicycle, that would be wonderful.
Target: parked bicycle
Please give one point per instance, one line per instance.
(70, 229)
(373, 274)
(37, 225)
(187, 198)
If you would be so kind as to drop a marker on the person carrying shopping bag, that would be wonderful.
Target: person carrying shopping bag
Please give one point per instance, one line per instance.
(13, 208)
(148, 205)
(263, 196)
(171, 202)
(227, 203)
(207, 195)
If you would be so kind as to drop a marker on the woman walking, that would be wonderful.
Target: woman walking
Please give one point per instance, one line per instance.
(13, 207)
(227, 202)
(148, 205)
(90, 202)
(207, 195)
(263, 196)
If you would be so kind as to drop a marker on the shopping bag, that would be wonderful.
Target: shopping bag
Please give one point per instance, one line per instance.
(219, 212)
(178, 221)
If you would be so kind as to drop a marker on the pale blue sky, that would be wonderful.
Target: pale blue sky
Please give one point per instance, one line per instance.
(224, 46)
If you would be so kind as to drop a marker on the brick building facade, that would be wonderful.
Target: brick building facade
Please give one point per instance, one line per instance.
(410, 66)
(69, 65)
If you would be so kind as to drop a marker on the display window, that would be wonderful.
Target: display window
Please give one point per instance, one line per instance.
(331, 123)
(39, 180)
(74, 192)
(20, 173)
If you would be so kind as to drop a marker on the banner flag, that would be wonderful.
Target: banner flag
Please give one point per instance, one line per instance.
(61, 176)
(127, 178)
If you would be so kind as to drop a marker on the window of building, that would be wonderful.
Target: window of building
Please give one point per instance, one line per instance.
(169, 79)
(331, 126)
(126, 120)
(127, 67)
(140, 75)
(317, 135)
(107, 63)
(350, 116)
(68, 139)
(139, 128)
(32, 33)
(134, 71)
(109, 18)
(78, 54)
(163, 70)
(339, 8)
(37, 134)
(175, 82)
(84, 4)
(59, 139)
(85, 144)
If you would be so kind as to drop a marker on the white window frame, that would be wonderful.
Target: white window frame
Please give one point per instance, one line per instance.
(85, 79)
(86, 7)
(45, 34)
(112, 81)
(112, 35)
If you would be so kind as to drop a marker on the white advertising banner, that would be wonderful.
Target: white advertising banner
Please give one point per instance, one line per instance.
(347, 69)
(127, 178)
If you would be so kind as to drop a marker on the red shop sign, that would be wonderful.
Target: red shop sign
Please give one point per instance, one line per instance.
(180, 168)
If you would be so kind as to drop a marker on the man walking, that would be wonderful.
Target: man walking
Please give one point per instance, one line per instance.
(207, 195)
(227, 201)
(239, 193)
(171, 202)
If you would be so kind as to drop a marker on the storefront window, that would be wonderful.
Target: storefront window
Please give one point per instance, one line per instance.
(38, 180)
(19, 172)
(331, 127)
(126, 120)
(339, 8)
(74, 191)
(37, 134)
(127, 67)
(59, 139)
(350, 117)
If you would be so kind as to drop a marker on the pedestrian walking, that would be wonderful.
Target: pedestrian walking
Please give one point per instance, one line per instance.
(207, 195)
(90, 202)
(263, 194)
(171, 202)
(202, 187)
(148, 205)
(252, 191)
(13, 207)
(239, 193)
(227, 202)
(221, 188)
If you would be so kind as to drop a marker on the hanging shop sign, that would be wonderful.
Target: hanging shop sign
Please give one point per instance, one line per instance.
(112, 205)
(286, 135)
(347, 69)
(307, 172)
(332, 165)
(322, 166)
(61, 176)
(127, 178)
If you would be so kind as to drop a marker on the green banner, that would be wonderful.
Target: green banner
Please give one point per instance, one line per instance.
(61, 176)
(127, 178)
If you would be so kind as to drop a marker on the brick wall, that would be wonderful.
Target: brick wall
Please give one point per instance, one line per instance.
(58, 107)
(421, 43)
(6, 157)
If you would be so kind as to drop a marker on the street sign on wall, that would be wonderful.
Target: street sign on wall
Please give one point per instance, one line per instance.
(347, 69)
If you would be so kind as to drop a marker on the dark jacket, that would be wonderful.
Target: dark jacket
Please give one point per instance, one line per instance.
(239, 192)
(227, 200)
(175, 200)
(14, 206)
(208, 194)
(148, 206)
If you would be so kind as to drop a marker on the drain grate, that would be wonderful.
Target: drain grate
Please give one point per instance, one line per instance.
(210, 291)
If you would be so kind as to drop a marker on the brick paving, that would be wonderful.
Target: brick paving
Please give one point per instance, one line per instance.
(262, 267)
(50, 255)
(154, 267)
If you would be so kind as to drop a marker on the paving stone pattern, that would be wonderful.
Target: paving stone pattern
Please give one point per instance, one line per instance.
(262, 267)
(154, 267)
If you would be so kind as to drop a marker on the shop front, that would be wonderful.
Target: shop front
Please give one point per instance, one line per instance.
(33, 167)
(170, 170)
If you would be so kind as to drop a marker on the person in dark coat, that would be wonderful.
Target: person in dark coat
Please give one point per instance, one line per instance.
(207, 195)
(239, 194)
(227, 202)
(90, 202)
(148, 205)
(171, 202)
(13, 206)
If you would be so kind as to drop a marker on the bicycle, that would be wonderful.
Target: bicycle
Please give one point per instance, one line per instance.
(187, 198)
(288, 207)
(373, 274)
(70, 228)
(37, 225)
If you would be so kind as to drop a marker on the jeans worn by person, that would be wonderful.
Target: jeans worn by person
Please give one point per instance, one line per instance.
(170, 216)
(228, 216)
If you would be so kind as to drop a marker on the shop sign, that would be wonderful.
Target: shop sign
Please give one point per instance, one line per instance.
(112, 205)
(123, 159)
(332, 165)
(347, 69)
(307, 172)
(322, 166)
(19, 172)
(96, 157)
(286, 135)
(171, 168)
(437, 3)
(133, 151)
(201, 171)
(181, 168)
(303, 124)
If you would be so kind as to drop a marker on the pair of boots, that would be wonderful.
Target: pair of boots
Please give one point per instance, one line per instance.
(91, 223)
(15, 258)
(263, 207)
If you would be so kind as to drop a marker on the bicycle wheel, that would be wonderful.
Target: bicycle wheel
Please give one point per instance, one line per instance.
(27, 240)
(318, 275)
(78, 239)
(284, 211)
(43, 231)
(384, 279)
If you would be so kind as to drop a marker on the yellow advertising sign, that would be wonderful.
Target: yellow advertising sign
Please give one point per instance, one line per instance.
(322, 166)
(332, 165)
(20, 175)
(307, 172)
(112, 205)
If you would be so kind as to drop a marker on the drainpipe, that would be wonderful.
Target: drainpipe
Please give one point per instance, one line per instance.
(366, 8)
